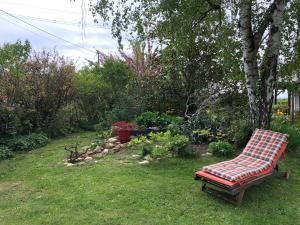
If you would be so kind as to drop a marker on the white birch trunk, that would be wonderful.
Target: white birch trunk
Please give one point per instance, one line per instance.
(249, 57)
(269, 67)
(260, 98)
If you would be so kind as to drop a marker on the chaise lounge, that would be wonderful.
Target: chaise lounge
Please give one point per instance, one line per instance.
(258, 161)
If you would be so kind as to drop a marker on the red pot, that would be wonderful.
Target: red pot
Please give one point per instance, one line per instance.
(124, 135)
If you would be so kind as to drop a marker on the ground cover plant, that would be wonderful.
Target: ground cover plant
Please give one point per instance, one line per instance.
(37, 188)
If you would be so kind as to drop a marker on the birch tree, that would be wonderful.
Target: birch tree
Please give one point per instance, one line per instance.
(259, 27)
(261, 81)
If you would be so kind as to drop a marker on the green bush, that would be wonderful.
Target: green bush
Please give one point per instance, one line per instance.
(161, 144)
(221, 148)
(5, 152)
(156, 119)
(283, 125)
(204, 127)
(239, 133)
(26, 142)
(159, 151)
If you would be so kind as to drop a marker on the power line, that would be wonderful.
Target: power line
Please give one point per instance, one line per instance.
(44, 31)
(37, 7)
(57, 21)
(37, 34)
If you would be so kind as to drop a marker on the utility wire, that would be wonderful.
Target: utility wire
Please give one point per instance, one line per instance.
(37, 34)
(44, 31)
(37, 7)
(57, 21)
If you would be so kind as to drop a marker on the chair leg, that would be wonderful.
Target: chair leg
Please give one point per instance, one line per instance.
(203, 186)
(239, 198)
(285, 174)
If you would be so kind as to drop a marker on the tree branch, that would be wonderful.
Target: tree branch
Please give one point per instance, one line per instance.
(263, 25)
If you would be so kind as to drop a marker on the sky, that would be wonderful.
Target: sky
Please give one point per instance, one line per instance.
(55, 24)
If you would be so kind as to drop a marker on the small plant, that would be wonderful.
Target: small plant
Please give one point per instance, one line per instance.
(221, 148)
(159, 151)
(27, 142)
(137, 141)
(283, 125)
(5, 152)
(156, 119)
(74, 153)
(161, 144)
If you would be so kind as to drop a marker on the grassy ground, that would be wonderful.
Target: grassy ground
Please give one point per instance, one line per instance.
(36, 188)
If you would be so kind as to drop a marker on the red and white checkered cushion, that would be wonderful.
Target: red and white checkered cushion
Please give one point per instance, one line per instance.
(237, 168)
(257, 156)
(265, 144)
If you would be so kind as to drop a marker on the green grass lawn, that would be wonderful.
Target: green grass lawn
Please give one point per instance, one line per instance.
(36, 188)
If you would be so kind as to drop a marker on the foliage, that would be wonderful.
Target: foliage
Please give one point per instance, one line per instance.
(283, 125)
(102, 92)
(34, 93)
(5, 152)
(281, 107)
(203, 128)
(13, 57)
(221, 148)
(239, 132)
(162, 144)
(156, 119)
(26, 142)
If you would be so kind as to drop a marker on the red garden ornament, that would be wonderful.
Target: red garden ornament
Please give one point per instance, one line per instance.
(124, 130)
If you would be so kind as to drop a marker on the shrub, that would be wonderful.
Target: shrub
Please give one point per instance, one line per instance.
(239, 133)
(283, 125)
(156, 119)
(27, 142)
(159, 151)
(161, 144)
(221, 148)
(5, 152)
(203, 128)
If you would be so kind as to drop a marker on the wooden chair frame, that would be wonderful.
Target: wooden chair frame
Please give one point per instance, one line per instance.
(234, 193)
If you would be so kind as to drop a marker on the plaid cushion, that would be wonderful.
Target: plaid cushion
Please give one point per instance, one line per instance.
(237, 168)
(265, 144)
(257, 156)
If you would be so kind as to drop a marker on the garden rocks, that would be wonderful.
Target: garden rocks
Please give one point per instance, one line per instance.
(111, 145)
(144, 162)
(148, 158)
(112, 140)
(98, 149)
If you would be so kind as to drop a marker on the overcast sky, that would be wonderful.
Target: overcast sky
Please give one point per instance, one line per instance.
(43, 14)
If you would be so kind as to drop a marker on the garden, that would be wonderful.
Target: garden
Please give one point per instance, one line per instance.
(119, 141)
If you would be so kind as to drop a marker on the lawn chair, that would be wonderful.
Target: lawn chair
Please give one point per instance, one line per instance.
(258, 161)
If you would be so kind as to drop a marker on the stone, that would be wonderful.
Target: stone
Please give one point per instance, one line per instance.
(70, 164)
(135, 156)
(105, 151)
(98, 148)
(109, 145)
(98, 155)
(88, 158)
(123, 145)
(112, 140)
(148, 158)
(208, 153)
(116, 148)
(144, 162)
